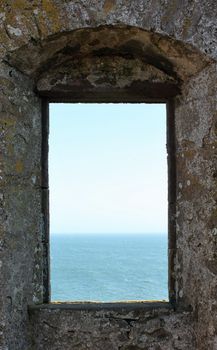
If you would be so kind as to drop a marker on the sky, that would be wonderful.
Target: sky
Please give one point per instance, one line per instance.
(108, 168)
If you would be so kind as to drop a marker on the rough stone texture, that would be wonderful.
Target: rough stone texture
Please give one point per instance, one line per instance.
(118, 329)
(20, 192)
(138, 50)
(197, 202)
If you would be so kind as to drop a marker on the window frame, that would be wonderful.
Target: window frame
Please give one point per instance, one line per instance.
(171, 188)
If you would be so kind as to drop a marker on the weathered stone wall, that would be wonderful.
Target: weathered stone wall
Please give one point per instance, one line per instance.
(21, 226)
(196, 122)
(153, 42)
(118, 328)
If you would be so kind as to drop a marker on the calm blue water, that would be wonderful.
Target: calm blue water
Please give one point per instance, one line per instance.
(109, 267)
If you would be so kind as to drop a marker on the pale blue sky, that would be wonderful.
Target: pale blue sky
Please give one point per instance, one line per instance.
(108, 168)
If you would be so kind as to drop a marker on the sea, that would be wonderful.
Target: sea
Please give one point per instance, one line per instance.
(109, 267)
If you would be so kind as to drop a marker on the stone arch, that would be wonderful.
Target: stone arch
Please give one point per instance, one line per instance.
(168, 58)
(112, 64)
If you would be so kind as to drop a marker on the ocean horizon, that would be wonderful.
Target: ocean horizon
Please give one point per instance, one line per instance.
(109, 267)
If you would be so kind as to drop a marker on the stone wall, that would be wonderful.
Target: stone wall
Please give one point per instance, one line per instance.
(142, 50)
(112, 327)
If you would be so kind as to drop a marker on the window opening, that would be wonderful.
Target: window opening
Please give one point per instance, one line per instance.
(108, 202)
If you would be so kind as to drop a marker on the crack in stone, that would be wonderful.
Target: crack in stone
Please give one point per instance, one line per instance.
(38, 30)
(49, 325)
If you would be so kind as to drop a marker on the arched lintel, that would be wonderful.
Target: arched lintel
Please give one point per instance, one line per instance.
(90, 61)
